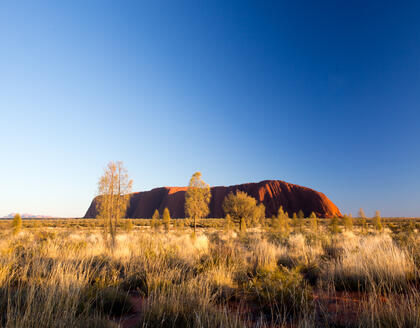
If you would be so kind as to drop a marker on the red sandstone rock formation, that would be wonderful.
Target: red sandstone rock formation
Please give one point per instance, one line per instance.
(273, 193)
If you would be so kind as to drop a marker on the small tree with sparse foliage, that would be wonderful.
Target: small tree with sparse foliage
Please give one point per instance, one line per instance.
(114, 189)
(301, 215)
(377, 221)
(259, 217)
(228, 223)
(281, 222)
(295, 221)
(348, 222)
(166, 219)
(154, 223)
(334, 228)
(314, 222)
(197, 199)
(17, 224)
(362, 218)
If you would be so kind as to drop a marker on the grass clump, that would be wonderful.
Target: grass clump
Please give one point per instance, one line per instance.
(370, 264)
(187, 305)
(280, 293)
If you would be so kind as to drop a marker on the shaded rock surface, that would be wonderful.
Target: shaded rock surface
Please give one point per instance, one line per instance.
(272, 193)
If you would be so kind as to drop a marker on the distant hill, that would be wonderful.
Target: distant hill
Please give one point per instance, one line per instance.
(26, 216)
(272, 193)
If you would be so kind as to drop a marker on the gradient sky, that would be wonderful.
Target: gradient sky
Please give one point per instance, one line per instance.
(324, 94)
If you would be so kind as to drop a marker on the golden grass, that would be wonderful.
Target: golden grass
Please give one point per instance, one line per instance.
(66, 277)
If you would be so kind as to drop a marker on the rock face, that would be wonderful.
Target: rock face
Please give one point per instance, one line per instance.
(272, 193)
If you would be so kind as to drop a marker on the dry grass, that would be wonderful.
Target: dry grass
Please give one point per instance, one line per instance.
(66, 277)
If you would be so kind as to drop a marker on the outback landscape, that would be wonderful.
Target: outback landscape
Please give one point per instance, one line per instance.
(246, 269)
(209, 164)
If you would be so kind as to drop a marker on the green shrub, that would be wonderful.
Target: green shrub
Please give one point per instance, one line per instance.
(281, 292)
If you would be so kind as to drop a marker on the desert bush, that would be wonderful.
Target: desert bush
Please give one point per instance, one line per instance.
(348, 222)
(280, 293)
(17, 224)
(166, 219)
(154, 223)
(128, 225)
(334, 227)
(377, 221)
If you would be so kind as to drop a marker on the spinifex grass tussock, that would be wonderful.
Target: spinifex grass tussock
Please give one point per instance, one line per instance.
(371, 263)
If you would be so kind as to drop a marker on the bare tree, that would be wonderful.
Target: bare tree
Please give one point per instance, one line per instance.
(114, 189)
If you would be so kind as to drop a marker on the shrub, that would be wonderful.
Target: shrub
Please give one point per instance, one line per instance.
(154, 223)
(128, 225)
(377, 222)
(334, 228)
(348, 222)
(228, 223)
(281, 293)
(166, 219)
(17, 224)
(314, 222)
(281, 222)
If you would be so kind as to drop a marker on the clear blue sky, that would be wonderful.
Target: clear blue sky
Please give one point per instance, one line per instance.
(324, 94)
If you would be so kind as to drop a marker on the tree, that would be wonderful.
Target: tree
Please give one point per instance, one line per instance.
(259, 217)
(17, 224)
(348, 222)
(377, 222)
(281, 221)
(197, 199)
(334, 228)
(241, 207)
(114, 189)
(301, 215)
(228, 223)
(166, 219)
(295, 221)
(362, 218)
(314, 221)
(154, 223)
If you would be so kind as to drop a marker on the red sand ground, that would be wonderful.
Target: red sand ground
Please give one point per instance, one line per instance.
(341, 308)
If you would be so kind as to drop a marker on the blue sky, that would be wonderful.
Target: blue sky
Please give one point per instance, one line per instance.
(322, 94)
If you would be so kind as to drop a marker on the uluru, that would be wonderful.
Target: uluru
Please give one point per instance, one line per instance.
(272, 193)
